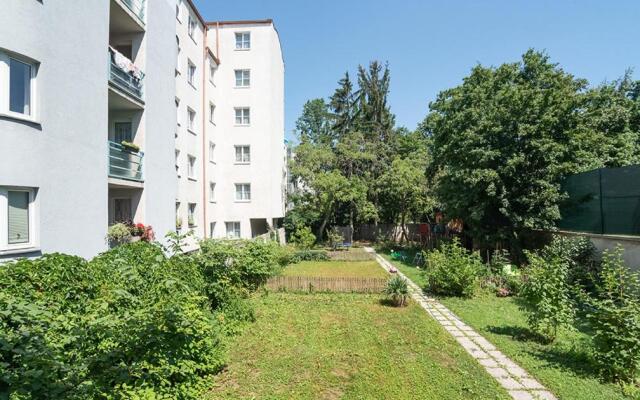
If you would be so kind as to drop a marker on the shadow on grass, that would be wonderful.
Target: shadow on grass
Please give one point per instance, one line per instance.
(390, 303)
(519, 333)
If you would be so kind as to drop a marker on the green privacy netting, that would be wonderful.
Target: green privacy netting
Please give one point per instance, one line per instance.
(605, 200)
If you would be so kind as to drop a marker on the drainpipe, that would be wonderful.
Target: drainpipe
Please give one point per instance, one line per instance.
(204, 119)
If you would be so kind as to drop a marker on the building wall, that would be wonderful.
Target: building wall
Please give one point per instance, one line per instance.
(65, 154)
(160, 118)
(189, 142)
(265, 135)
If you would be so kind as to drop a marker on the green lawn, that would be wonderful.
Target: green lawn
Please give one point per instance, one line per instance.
(347, 346)
(344, 269)
(562, 366)
(407, 268)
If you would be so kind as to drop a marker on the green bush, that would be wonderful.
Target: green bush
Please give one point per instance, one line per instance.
(309, 255)
(616, 319)
(303, 238)
(579, 255)
(546, 296)
(398, 290)
(334, 238)
(503, 277)
(131, 323)
(452, 271)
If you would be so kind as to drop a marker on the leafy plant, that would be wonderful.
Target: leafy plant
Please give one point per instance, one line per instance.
(398, 290)
(130, 146)
(309, 255)
(303, 238)
(452, 270)
(176, 241)
(334, 237)
(616, 319)
(118, 234)
(546, 296)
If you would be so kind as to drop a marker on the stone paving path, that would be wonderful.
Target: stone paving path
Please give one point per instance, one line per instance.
(519, 384)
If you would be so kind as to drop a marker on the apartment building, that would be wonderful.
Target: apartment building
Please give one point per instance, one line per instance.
(118, 110)
(77, 80)
(230, 162)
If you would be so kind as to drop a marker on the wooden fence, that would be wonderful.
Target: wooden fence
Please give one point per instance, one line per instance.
(326, 284)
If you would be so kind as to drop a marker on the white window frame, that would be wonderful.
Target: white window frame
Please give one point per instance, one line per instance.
(5, 94)
(244, 113)
(245, 154)
(191, 120)
(191, 28)
(191, 73)
(212, 113)
(212, 192)
(212, 152)
(245, 195)
(178, 119)
(191, 167)
(177, 154)
(213, 68)
(212, 228)
(235, 229)
(33, 243)
(179, 10)
(244, 41)
(191, 213)
(179, 50)
(244, 79)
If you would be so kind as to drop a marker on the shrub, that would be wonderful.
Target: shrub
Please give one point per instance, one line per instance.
(131, 323)
(616, 319)
(398, 290)
(334, 237)
(503, 278)
(579, 255)
(309, 255)
(452, 270)
(118, 234)
(303, 238)
(546, 296)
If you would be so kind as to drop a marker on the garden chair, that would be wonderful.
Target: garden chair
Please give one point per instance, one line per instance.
(418, 260)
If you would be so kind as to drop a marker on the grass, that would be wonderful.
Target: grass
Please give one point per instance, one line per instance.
(344, 269)
(347, 346)
(563, 366)
(407, 267)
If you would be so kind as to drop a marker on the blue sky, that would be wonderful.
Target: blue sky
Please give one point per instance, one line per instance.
(432, 45)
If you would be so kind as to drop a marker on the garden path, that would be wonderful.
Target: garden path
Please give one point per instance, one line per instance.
(513, 378)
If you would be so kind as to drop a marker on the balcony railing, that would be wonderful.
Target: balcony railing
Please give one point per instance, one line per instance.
(125, 79)
(124, 163)
(136, 7)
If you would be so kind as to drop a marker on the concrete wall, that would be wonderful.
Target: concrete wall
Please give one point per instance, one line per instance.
(64, 154)
(630, 244)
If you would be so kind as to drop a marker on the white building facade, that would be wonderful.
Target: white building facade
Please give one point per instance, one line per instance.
(103, 120)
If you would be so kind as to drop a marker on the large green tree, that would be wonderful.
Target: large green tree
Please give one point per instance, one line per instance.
(500, 144)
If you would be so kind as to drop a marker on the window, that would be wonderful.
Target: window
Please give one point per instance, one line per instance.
(243, 78)
(212, 110)
(18, 218)
(192, 27)
(178, 111)
(243, 154)
(233, 229)
(243, 192)
(212, 150)
(191, 74)
(243, 116)
(243, 41)
(212, 192)
(178, 13)
(178, 163)
(178, 54)
(212, 227)
(191, 168)
(191, 120)
(212, 71)
(191, 214)
(18, 80)
(178, 219)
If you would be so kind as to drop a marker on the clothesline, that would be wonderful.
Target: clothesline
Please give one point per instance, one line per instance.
(125, 64)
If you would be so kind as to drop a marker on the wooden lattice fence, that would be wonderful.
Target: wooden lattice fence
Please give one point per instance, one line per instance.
(326, 284)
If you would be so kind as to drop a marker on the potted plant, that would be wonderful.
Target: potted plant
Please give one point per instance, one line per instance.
(398, 290)
(191, 222)
(118, 234)
(178, 223)
(129, 146)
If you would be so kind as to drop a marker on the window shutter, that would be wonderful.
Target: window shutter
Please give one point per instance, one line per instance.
(18, 217)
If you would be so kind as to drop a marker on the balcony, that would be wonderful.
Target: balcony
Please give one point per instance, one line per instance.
(124, 163)
(124, 76)
(127, 16)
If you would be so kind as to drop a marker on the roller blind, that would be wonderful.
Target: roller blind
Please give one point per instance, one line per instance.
(18, 217)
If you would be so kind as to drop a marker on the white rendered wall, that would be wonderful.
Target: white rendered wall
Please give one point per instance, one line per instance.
(65, 155)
